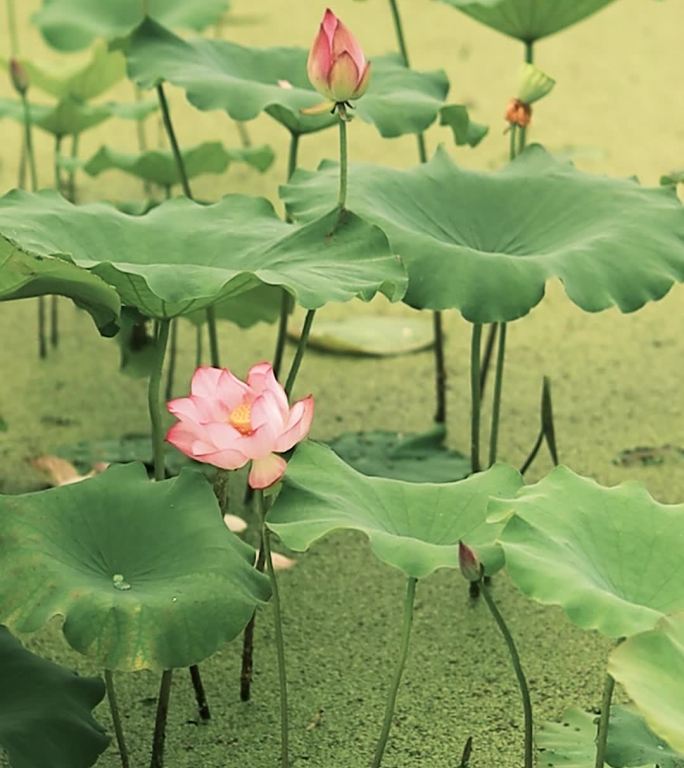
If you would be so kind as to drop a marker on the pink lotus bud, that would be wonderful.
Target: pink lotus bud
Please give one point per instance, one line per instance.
(468, 562)
(229, 423)
(19, 76)
(337, 67)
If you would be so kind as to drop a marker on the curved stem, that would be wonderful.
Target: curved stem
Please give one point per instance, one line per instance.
(154, 397)
(533, 453)
(299, 354)
(280, 642)
(409, 601)
(159, 738)
(498, 389)
(475, 345)
(248, 643)
(116, 718)
(399, 31)
(344, 156)
(519, 673)
(604, 722)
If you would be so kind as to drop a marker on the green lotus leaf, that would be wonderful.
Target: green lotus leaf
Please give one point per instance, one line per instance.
(650, 667)
(528, 20)
(145, 574)
(672, 179)
(609, 557)
(72, 116)
(183, 256)
(464, 130)
(81, 81)
(25, 275)
(415, 527)
(46, 711)
(160, 167)
(570, 743)
(70, 25)
(631, 743)
(247, 81)
(610, 241)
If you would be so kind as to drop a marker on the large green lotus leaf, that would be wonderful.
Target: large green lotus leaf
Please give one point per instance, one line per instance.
(247, 81)
(70, 25)
(486, 243)
(650, 666)
(631, 743)
(25, 275)
(160, 167)
(411, 526)
(46, 711)
(81, 81)
(72, 116)
(183, 256)
(257, 305)
(144, 574)
(528, 20)
(610, 557)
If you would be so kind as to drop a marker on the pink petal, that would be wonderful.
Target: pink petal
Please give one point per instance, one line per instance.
(267, 410)
(261, 378)
(267, 471)
(229, 459)
(329, 24)
(260, 443)
(190, 440)
(319, 62)
(344, 41)
(220, 388)
(362, 87)
(344, 78)
(298, 425)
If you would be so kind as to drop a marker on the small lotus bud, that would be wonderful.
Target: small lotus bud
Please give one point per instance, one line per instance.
(518, 113)
(19, 77)
(468, 562)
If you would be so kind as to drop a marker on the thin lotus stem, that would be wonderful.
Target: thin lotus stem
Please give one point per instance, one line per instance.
(547, 430)
(54, 322)
(116, 719)
(243, 133)
(409, 601)
(173, 353)
(159, 738)
(299, 354)
(533, 453)
(248, 642)
(71, 181)
(498, 389)
(280, 642)
(154, 397)
(146, 7)
(57, 160)
(200, 695)
(529, 51)
(519, 673)
(487, 357)
(199, 353)
(604, 722)
(344, 156)
(28, 143)
(12, 29)
(440, 368)
(42, 325)
(513, 147)
(21, 180)
(399, 31)
(475, 345)
(214, 354)
(281, 338)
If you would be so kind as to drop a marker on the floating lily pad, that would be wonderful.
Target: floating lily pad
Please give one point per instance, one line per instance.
(570, 743)
(414, 458)
(70, 25)
(160, 167)
(650, 667)
(46, 711)
(71, 116)
(81, 81)
(649, 455)
(374, 336)
(415, 527)
(145, 575)
(183, 256)
(611, 242)
(247, 81)
(528, 20)
(609, 557)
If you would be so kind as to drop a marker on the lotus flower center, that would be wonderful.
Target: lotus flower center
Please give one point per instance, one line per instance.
(241, 419)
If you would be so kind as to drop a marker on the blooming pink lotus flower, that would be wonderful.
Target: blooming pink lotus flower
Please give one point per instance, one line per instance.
(228, 422)
(337, 67)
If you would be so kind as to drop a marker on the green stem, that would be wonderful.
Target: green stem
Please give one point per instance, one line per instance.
(159, 738)
(604, 722)
(28, 142)
(344, 157)
(173, 352)
(116, 718)
(519, 673)
(280, 642)
(57, 158)
(248, 643)
(198, 345)
(71, 181)
(243, 133)
(513, 148)
(12, 29)
(529, 51)
(409, 601)
(498, 388)
(42, 325)
(299, 354)
(487, 357)
(154, 397)
(214, 354)
(54, 322)
(440, 368)
(146, 7)
(475, 345)
(399, 31)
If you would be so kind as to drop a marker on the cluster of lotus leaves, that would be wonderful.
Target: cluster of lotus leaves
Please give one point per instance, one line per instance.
(528, 20)
(245, 82)
(415, 527)
(182, 257)
(144, 575)
(486, 243)
(46, 711)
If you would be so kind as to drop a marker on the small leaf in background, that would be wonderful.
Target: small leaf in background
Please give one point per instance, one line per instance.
(465, 130)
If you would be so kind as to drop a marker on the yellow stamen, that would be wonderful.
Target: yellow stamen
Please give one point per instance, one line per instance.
(241, 418)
